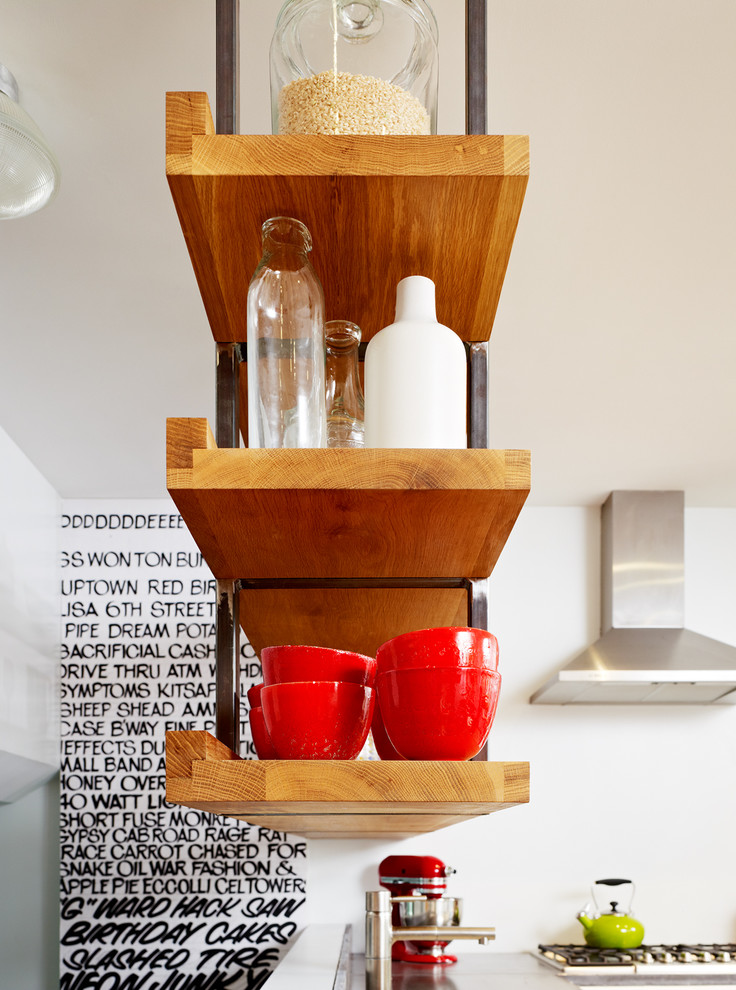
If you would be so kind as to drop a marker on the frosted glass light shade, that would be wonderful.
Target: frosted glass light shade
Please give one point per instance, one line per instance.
(29, 172)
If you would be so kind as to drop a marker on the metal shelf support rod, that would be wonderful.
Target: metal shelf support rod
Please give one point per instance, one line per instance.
(475, 67)
(227, 673)
(227, 66)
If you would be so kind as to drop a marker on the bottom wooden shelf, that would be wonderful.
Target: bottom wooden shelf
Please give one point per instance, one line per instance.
(337, 798)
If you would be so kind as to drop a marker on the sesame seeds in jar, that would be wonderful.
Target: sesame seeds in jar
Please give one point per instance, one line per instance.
(344, 103)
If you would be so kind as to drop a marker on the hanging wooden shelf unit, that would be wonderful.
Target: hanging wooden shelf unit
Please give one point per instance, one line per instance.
(387, 532)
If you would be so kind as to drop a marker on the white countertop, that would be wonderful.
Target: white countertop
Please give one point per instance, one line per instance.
(312, 961)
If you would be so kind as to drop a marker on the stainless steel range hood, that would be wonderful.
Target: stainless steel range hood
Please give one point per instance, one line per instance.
(644, 654)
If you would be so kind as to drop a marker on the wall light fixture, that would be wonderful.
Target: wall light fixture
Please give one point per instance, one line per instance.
(29, 172)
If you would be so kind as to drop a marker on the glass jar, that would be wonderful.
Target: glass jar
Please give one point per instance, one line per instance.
(344, 394)
(354, 67)
(285, 339)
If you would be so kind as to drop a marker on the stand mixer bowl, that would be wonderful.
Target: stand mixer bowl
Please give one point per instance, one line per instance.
(437, 911)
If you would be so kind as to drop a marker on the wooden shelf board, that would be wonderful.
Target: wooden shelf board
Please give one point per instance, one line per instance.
(357, 619)
(376, 513)
(336, 798)
(378, 209)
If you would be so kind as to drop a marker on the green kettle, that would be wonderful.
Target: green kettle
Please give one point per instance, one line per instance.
(613, 928)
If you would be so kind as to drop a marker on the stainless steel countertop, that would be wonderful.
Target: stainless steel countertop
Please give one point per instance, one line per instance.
(320, 959)
(472, 971)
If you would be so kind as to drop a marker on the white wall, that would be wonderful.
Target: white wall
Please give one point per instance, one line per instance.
(643, 792)
(29, 649)
(29, 872)
(29, 623)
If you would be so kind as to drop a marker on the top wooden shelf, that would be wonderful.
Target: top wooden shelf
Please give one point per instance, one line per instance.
(378, 209)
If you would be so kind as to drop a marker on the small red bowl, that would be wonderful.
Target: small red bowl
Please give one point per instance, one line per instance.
(288, 664)
(381, 741)
(254, 695)
(261, 739)
(444, 647)
(438, 713)
(318, 720)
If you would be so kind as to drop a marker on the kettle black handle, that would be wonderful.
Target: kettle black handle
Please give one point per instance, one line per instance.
(613, 883)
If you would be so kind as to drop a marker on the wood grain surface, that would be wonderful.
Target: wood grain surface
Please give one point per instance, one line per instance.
(357, 619)
(378, 209)
(346, 513)
(314, 794)
(185, 748)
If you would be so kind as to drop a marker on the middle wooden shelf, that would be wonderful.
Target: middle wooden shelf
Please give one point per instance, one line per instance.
(292, 515)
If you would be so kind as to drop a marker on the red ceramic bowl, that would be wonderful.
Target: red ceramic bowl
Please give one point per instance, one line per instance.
(381, 741)
(259, 732)
(318, 720)
(438, 713)
(287, 664)
(254, 695)
(444, 647)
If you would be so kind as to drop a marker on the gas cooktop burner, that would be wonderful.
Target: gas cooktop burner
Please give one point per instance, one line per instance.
(645, 955)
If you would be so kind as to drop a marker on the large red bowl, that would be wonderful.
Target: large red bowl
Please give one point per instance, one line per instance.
(287, 664)
(254, 695)
(381, 742)
(261, 739)
(438, 713)
(318, 720)
(447, 646)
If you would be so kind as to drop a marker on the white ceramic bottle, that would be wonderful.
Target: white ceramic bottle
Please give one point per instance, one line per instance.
(415, 376)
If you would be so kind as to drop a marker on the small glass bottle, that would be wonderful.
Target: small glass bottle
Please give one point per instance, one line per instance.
(343, 390)
(286, 347)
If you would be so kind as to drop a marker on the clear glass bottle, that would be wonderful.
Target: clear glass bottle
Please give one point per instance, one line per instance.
(354, 67)
(286, 346)
(344, 394)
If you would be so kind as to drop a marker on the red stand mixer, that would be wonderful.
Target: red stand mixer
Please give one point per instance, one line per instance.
(422, 880)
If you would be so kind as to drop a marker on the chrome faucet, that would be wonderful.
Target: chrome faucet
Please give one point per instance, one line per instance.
(380, 936)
